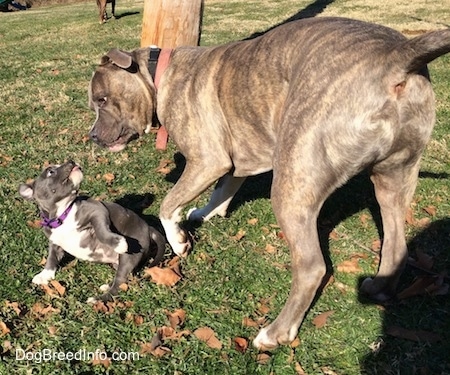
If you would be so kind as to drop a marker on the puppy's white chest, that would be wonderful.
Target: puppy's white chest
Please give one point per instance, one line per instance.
(70, 238)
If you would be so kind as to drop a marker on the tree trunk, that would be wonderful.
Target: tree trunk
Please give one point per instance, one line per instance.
(171, 23)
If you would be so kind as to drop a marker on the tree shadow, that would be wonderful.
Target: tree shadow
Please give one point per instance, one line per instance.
(415, 336)
(311, 10)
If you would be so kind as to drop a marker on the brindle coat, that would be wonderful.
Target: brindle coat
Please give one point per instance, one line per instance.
(317, 100)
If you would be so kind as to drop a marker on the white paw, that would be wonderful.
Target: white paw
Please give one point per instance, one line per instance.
(263, 341)
(43, 277)
(122, 247)
(104, 287)
(92, 300)
(181, 249)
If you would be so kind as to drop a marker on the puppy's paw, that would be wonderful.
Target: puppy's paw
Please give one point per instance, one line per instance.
(104, 287)
(122, 246)
(43, 277)
(182, 249)
(92, 300)
(374, 291)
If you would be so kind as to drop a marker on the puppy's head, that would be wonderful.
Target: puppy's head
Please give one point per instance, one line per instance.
(57, 186)
(123, 96)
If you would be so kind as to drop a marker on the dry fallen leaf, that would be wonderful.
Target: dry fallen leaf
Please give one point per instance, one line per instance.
(4, 330)
(270, 249)
(14, 306)
(58, 287)
(413, 335)
(105, 362)
(240, 344)
(263, 358)
(41, 310)
(320, 320)
(247, 322)
(298, 369)
(431, 285)
(252, 221)
(410, 216)
(162, 276)
(239, 235)
(430, 210)
(108, 177)
(208, 336)
(350, 266)
(176, 318)
(164, 166)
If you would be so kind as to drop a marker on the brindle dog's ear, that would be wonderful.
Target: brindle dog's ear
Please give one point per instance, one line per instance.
(26, 191)
(120, 58)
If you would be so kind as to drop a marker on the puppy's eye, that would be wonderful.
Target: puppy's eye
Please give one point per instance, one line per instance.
(50, 172)
(53, 191)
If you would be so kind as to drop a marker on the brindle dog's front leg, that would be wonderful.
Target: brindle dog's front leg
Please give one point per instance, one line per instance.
(198, 175)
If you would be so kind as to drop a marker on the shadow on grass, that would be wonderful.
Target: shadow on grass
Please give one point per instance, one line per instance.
(311, 10)
(416, 331)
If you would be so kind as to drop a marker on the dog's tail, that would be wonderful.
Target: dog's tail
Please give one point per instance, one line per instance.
(160, 242)
(414, 54)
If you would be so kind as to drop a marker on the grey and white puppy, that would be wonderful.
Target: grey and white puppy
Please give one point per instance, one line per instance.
(88, 229)
(317, 100)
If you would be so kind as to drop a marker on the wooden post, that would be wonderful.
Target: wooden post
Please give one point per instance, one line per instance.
(171, 23)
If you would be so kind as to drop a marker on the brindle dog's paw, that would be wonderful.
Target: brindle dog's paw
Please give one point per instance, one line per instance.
(374, 291)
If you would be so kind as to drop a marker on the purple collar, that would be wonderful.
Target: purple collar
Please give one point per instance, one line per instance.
(57, 221)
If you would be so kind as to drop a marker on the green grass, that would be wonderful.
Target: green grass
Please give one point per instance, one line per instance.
(47, 57)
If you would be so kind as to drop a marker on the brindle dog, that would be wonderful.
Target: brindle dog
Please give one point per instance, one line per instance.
(317, 100)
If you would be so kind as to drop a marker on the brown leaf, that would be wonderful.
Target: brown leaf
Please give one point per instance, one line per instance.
(410, 216)
(97, 360)
(109, 177)
(247, 322)
(299, 369)
(240, 344)
(39, 309)
(14, 306)
(176, 318)
(320, 320)
(270, 249)
(138, 320)
(35, 224)
(430, 210)
(164, 166)
(424, 285)
(58, 287)
(52, 330)
(334, 235)
(295, 344)
(162, 276)
(252, 221)
(350, 266)
(208, 336)
(423, 222)
(239, 235)
(107, 308)
(376, 245)
(263, 358)
(413, 335)
(364, 218)
(4, 330)
(123, 287)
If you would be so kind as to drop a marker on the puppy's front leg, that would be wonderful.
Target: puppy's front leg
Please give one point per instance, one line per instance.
(101, 223)
(55, 254)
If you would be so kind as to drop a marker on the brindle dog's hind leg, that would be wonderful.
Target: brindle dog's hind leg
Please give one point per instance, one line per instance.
(394, 189)
(223, 193)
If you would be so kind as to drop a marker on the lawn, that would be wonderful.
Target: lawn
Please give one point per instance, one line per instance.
(237, 279)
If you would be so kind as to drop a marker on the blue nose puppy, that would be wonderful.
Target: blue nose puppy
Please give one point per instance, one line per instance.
(88, 229)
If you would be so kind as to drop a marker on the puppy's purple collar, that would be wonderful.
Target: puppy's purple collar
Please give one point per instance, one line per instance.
(57, 221)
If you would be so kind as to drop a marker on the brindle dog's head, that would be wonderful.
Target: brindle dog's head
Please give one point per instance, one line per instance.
(122, 94)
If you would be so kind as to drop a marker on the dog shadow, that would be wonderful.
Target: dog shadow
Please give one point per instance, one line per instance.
(125, 14)
(415, 336)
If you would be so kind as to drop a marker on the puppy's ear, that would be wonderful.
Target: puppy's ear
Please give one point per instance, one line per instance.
(26, 191)
(120, 58)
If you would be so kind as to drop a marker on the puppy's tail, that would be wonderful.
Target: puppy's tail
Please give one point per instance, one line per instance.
(414, 54)
(160, 242)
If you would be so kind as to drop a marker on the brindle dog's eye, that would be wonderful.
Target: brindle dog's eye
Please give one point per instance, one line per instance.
(53, 191)
(50, 172)
(102, 101)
